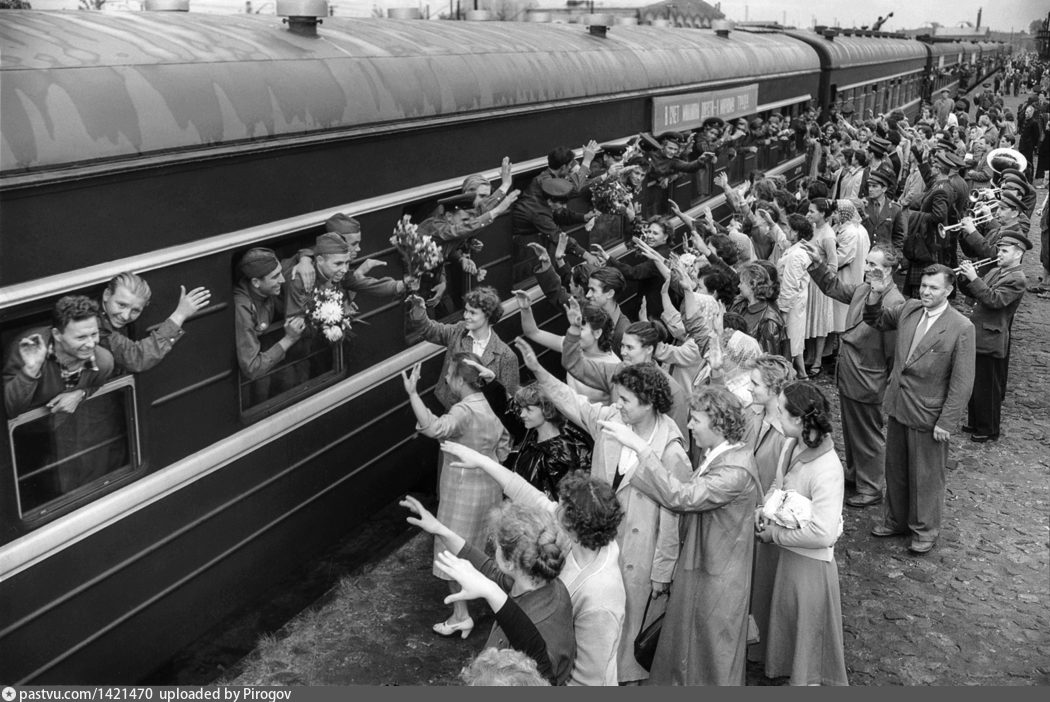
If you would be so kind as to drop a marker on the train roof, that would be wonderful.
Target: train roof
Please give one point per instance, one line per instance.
(85, 87)
(844, 51)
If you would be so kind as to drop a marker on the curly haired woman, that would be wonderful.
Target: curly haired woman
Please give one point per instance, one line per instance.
(590, 515)
(704, 636)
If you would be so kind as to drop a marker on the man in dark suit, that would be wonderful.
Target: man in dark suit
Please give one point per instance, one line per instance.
(865, 359)
(931, 381)
(996, 295)
(882, 217)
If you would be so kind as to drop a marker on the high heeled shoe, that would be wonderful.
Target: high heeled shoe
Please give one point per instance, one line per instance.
(464, 628)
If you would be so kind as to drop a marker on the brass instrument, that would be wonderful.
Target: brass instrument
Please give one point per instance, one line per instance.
(943, 230)
(992, 206)
(978, 264)
(1001, 158)
(984, 194)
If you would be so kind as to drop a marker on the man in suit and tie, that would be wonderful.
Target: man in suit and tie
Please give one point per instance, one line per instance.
(996, 296)
(929, 385)
(883, 218)
(865, 359)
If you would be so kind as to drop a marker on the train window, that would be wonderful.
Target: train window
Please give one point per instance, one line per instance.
(311, 363)
(59, 458)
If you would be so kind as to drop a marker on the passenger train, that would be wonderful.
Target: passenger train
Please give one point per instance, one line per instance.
(169, 143)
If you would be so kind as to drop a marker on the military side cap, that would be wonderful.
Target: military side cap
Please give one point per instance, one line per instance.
(1011, 200)
(557, 188)
(1014, 237)
(614, 150)
(330, 243)
(342, 224)
(258, 263)
(459, 201)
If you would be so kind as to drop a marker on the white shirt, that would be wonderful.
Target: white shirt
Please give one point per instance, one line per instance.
(477, 346)
(934, 314)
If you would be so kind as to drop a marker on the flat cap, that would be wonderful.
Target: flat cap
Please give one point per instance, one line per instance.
(878, 145)
(258, 263)
(1012, 200)
(330, 243)
(1014, 237)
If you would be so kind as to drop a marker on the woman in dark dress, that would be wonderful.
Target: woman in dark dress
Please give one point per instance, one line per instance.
(551, 447)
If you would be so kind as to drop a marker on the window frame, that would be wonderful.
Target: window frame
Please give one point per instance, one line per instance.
(75, 497)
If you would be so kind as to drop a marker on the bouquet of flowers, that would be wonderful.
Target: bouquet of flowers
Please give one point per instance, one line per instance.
(326, 312)
(419, 252)
(610, 197)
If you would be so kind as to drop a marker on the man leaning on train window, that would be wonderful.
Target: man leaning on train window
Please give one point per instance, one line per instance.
(58, 367)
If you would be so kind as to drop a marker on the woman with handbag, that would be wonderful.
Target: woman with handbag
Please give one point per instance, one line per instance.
(703, 640)
(805, 620)
(648, 535)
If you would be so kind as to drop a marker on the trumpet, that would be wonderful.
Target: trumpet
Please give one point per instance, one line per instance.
(984, 194)
(990, 207)
(943, 230)
(977, 264)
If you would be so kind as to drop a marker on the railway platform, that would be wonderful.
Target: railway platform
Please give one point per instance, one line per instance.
(972, 612)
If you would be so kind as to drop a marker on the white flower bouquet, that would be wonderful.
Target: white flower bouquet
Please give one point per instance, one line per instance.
(326, 312)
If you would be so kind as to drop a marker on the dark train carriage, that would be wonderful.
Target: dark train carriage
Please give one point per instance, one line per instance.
(871, 72)
(169, 144)
(944, 65)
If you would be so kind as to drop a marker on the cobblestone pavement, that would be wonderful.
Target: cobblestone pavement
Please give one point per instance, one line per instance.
(974, 611)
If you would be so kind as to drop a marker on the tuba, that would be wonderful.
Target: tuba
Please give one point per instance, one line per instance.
(999, 159)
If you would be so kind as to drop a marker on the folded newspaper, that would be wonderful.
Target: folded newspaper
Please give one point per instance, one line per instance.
(788, 509)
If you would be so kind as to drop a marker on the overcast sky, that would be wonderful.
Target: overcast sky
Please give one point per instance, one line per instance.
(1000, 15)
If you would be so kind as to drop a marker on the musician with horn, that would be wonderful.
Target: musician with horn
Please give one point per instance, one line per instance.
(996, 296)
(1014, 181)
(924, 244)
(980, 241)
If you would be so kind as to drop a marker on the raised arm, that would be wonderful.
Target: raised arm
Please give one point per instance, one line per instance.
(529, 329)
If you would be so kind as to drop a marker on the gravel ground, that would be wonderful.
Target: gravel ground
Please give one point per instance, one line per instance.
(972, 612)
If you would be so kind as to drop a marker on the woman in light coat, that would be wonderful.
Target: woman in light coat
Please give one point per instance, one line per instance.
(648, 535)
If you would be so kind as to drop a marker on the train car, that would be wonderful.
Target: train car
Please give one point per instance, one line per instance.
(168, 144)
(872, 71)
(945, 63)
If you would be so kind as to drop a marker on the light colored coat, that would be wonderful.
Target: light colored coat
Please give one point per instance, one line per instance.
(648, 534)
(598, 600)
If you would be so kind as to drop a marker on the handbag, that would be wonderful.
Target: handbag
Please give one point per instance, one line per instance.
(647, 638)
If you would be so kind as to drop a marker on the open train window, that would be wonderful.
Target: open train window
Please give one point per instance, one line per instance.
(309, 365)
(61, 459)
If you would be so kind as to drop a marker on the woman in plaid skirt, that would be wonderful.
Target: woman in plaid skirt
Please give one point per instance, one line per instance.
(466, 495)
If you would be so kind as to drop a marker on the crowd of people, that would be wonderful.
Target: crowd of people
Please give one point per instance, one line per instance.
(682, 460)
(680, 453)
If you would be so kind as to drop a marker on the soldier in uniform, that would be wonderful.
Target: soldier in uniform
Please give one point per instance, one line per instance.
(882, 217)
(923, 245)
(539, 219)
(257, 304)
